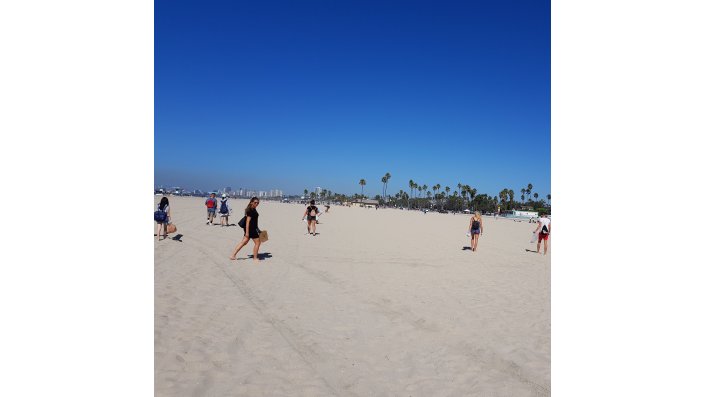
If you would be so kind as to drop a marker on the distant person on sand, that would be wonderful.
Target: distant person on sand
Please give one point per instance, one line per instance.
(544, 229)
(310, 216)
(249, 223)
(224, 210)
(211, 206)
(476, 230)
(162, 219)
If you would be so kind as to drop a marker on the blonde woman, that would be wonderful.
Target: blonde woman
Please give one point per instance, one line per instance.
(476, 230)
(249, 223)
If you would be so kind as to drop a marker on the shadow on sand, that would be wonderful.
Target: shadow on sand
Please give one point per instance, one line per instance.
(261, 256)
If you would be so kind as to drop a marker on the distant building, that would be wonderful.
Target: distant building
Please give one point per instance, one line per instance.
(364, 202)
(228, 190)
(318, 191)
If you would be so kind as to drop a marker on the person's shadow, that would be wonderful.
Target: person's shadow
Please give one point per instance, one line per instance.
(528, 250)
(178, 237)
(465, 248)
(261, 256)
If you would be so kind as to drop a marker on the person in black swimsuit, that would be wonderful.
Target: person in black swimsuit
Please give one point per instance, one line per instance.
(476, 230)
(310, 216)
(251, 230)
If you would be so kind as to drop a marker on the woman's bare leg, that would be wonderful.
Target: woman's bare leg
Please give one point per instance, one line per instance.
(239, 246)
(255, 251)
(159, 231)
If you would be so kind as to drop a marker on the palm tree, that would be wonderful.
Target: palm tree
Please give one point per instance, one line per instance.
(548, 196)
(528, 189)
(387, 177)
(305, 192)
(384, 183)
(511, 195)
(362, 184)
(536, 196)
(411, 191)
(523, 191)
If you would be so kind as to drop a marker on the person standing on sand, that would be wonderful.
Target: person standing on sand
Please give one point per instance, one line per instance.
(310, 216)
(544, 229)
(251, 230)
(163, 206)
(211, 206)
(224, 210)
(476, 230)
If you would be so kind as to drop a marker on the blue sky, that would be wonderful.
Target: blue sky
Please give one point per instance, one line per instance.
(299, 94)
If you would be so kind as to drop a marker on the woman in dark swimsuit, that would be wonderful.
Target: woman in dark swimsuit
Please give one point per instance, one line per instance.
(476, 230)
(251, 230)
(310, 216)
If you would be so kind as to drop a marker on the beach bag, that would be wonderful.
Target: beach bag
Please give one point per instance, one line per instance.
(544, 230)
(210, 203)
(223, 207)
(534, 237)
(159, 216)
(263, 236)
(243, 222)
(171, 228)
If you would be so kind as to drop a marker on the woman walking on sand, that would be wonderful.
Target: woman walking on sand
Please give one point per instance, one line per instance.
(476, 230)
(310, 216)
(251, 230)
(163, 217)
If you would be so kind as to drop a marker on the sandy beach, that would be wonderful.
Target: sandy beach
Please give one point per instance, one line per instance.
(381, 303)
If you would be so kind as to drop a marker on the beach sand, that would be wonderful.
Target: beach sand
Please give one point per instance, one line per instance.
(381, 303)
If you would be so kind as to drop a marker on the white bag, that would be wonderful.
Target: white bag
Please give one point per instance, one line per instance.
(534, 237)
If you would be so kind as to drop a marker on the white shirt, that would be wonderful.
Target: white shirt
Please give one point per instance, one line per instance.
(544, 222)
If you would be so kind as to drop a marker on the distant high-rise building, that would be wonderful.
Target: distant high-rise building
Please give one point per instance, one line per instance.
(240, 192)
(228, 190)
(318, 191)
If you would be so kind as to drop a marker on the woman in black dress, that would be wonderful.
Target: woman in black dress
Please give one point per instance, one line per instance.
(251, 230)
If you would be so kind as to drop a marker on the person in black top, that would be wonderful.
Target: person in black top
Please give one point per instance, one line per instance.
(310, 216)
(251, 230)
(476, 230)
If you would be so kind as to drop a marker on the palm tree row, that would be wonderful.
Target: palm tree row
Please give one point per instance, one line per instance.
(465, 197)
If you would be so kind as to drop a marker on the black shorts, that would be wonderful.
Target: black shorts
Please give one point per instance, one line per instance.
(253, 234)
(311, 218)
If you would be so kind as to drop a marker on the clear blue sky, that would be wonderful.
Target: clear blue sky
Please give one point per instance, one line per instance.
(299, 94)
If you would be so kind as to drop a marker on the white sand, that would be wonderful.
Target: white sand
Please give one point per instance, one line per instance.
(381, 303)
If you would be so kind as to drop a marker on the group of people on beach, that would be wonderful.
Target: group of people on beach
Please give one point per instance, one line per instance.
(212, 207)
(252, 232)
(542, 231)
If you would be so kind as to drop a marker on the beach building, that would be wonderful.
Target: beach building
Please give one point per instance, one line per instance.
(525, 214)
(369, 203)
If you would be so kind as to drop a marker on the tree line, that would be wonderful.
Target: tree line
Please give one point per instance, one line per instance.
(439, 197)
